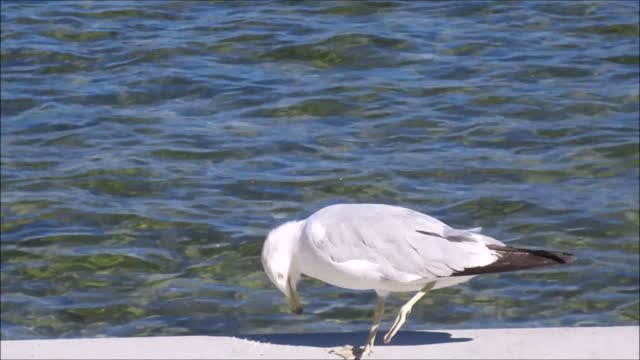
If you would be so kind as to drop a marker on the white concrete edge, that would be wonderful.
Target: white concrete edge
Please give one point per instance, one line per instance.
(619, 342)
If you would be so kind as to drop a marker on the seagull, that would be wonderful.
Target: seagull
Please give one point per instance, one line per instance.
(387, 249)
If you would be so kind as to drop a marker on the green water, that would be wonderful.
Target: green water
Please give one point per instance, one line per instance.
(147, 149)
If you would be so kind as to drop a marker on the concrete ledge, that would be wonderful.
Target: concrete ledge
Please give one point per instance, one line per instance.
(538, 343)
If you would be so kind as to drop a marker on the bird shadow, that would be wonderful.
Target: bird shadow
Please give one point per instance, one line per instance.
(404, 338)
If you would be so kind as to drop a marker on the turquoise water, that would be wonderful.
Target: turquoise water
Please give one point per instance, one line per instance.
(147, 149)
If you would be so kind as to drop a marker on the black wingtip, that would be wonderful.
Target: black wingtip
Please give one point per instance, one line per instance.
(568, 258)
(557, 256)
(511, 259)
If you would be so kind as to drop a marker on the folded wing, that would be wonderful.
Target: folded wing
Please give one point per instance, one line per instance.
(408, 242)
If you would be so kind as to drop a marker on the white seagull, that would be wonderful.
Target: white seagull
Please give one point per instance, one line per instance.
(387, 249)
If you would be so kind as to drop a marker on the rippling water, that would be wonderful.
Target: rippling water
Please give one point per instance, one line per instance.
(147, 148)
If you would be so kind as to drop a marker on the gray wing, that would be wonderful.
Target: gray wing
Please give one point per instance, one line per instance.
(406, 241)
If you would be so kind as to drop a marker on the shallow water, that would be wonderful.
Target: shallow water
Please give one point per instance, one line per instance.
(147, 149)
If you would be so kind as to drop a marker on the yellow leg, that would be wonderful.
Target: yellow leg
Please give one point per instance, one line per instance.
(348, 352)
(405, 310)
(377, 317)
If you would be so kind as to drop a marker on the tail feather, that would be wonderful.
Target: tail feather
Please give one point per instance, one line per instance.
(511, 259)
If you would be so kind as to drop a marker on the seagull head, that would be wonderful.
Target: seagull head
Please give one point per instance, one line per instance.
(277, 260)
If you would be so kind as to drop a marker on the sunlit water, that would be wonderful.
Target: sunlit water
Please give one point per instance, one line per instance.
(147, 149)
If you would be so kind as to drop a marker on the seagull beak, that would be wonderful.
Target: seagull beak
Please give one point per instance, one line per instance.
(294, 301)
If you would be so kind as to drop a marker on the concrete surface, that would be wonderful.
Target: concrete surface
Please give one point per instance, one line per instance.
(538, 343)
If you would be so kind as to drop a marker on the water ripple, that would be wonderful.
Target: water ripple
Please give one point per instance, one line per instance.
(148, 148)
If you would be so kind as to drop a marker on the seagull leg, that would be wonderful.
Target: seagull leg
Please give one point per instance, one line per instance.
(377, 317)
(405, 310)
(348, 352)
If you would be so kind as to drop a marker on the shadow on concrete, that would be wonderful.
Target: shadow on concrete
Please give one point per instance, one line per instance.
(403, 338)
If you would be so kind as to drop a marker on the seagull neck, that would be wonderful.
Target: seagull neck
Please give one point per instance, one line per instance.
(296, 232)
(282, 247)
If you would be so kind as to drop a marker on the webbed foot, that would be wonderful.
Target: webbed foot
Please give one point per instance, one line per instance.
(348, 352)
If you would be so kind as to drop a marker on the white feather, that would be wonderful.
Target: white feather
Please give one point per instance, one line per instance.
(386, 248)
